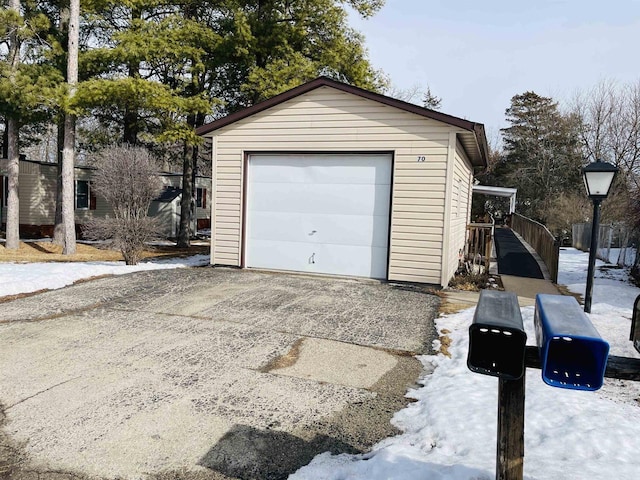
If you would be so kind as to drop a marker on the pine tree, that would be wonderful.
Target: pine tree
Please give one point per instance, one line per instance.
(429, 100)
(162, 67)
(28, 91)
(278, 45)
(541, 153)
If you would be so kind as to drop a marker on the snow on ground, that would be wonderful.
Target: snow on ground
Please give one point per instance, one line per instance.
(620, 256)
(18, 278)
(449, 433)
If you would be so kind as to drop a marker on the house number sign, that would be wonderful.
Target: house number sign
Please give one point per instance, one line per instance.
(421, 158)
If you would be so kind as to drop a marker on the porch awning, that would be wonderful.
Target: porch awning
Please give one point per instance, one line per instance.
(499, 192)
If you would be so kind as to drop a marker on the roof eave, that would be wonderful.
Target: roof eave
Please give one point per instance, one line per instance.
(478, 158)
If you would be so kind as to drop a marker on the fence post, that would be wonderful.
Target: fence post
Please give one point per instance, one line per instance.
(510, 452)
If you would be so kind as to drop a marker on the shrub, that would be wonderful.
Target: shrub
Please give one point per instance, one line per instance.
(127, 178)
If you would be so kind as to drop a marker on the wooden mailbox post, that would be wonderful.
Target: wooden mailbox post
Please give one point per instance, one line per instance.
(490, 319)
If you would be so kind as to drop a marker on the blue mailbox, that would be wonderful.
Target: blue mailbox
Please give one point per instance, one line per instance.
(572, 353)
(496, 337)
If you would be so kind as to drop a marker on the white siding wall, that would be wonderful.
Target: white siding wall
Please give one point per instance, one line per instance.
(201, 182)
(460, 211)
(328, 120)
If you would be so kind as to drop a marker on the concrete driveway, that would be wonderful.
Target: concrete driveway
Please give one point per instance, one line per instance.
(204, 373)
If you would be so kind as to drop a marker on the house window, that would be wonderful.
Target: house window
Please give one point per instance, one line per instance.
(201, 197)
(85, 197)
(82, 194)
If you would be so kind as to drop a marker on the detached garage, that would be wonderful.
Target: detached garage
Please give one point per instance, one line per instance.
(329, 178)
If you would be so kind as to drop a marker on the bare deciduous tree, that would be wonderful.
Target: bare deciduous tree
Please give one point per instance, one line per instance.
(127, 177)
(415, 94)
(610, 126)
(566, 209)
(610, 130)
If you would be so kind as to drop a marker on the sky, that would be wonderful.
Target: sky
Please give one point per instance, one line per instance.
(477, 55)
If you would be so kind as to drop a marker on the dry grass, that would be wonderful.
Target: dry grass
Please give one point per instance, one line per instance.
(445, 342)
(448, 308)
(48, 252)
(565, 291)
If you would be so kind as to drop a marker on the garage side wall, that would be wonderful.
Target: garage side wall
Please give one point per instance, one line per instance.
(329, 120)
(460, 210)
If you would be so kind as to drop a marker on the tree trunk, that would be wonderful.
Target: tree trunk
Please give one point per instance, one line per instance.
(12, 233)
(188, 208)
(184, 234)
(68, 151)
(58, 226)
(5, 140)
(130, 119)
(68, 186)
(130, 127)
(13, 202)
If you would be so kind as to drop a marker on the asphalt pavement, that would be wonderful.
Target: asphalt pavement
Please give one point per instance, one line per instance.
(205, 373)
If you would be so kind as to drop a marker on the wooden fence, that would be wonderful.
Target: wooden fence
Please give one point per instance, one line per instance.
(541, 239)
(479, 245)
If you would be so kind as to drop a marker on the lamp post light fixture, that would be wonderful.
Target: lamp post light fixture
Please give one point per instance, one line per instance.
(598, 177)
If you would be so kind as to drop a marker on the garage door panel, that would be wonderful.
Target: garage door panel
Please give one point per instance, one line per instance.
(320, 258)
(356, 230)
(321, 169)
(319, 213)
(320, 198)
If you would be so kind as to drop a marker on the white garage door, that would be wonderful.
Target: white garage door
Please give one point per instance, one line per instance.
(319, 213)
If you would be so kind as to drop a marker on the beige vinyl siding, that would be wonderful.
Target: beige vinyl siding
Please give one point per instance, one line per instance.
(37, 199)
(329, 120)
(102, 209)
(37, 190)
(460, 212)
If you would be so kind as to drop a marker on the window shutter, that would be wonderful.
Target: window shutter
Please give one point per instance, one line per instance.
(204, 198)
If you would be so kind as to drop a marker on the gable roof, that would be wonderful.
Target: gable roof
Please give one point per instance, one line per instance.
(474, 139)
(168, 194)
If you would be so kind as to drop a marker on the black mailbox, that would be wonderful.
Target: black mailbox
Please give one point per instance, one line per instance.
(635, 324)
(572, 353)
(496, 337)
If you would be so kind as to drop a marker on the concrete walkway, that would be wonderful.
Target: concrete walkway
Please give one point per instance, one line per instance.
(525, 288)
(528, 288)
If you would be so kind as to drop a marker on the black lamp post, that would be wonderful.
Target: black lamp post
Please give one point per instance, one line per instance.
(598, 178)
